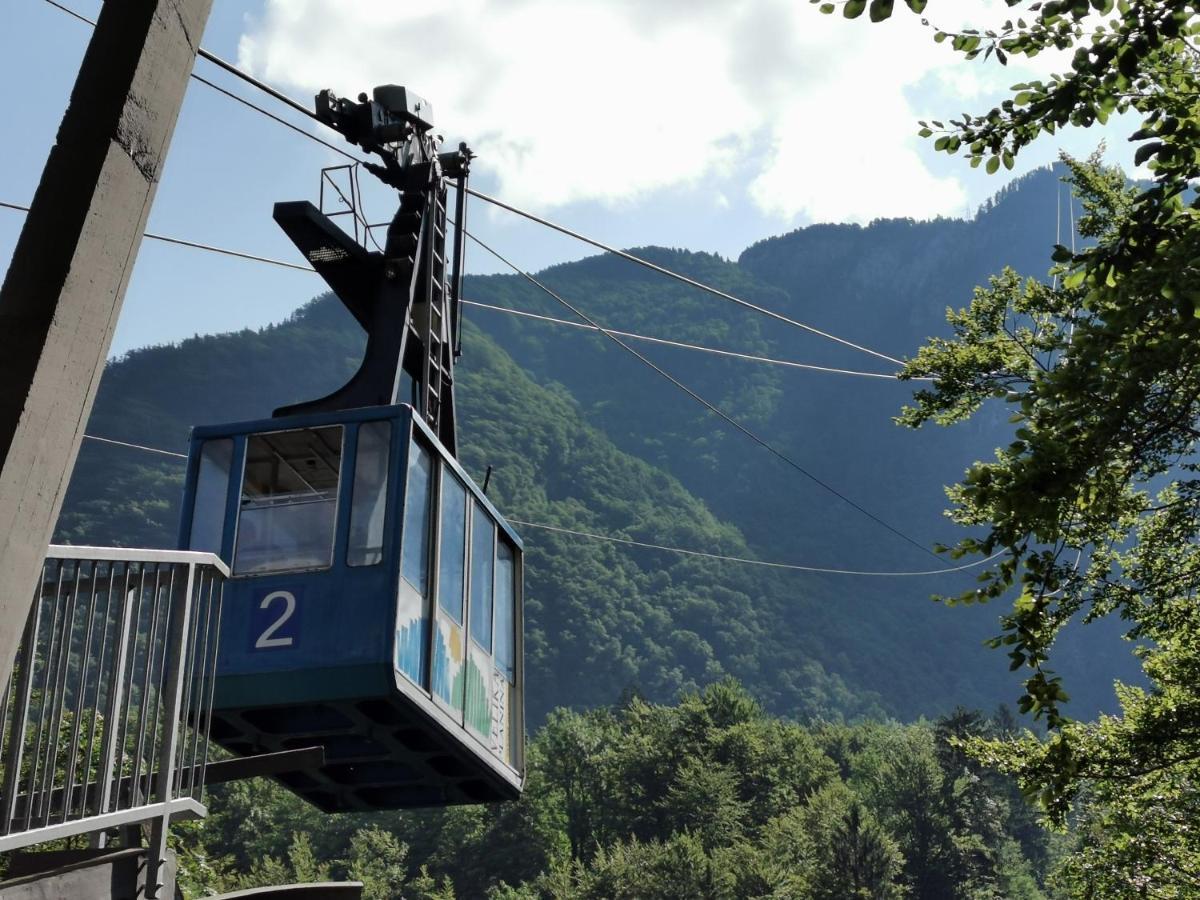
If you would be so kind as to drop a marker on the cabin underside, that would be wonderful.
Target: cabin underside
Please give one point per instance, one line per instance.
(381, 752)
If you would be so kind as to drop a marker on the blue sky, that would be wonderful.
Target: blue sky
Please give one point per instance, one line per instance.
(705, 125)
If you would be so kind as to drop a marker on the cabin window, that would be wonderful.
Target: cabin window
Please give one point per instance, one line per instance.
(370, 494)
(414, 565)
(483, 538)
(212, 490)
(412, 608)
(505, 610)
(289, 501)
(453, 558)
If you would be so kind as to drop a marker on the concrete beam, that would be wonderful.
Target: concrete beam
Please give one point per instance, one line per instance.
(81, 875)
(63, 291)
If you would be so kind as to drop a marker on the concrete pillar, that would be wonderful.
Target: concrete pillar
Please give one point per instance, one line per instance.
(63, 291)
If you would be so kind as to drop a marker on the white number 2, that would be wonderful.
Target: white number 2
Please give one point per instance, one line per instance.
(265, 640)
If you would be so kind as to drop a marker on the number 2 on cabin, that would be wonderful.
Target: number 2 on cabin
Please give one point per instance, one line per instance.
(275, 620)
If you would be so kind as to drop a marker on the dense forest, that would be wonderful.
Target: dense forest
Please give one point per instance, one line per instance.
(710, 797)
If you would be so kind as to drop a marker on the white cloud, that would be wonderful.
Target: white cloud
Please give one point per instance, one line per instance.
(612, 100)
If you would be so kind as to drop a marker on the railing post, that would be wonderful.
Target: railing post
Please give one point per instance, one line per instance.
(80, 702)
(172, 697)
(116, 693)
(16, 740)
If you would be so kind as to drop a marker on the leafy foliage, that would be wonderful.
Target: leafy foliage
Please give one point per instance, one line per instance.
(710, 797)
(1095, 501)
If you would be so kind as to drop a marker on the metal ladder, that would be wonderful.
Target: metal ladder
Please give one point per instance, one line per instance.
(437, 379)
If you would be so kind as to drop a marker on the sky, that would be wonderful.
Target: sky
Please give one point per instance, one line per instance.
(705, 125)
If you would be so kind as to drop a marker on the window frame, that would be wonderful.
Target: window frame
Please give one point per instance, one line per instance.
(447, 475)
(510, 670)
(477, 508)
(222, 524)
(428, 590)
(242, 459)
(387, 493)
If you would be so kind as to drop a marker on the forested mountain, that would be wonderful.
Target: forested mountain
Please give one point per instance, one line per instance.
(600, 622)
(582, 436)
(885, 286)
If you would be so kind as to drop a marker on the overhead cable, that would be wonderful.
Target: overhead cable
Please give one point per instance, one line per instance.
(240, 254)
(607, 333)
(72, 13)
(715, 410)
(167, 239)
(742, 560)
(227, 252)
(750, 562)
(662, 270)
(283, 98)
(249, 79)
(686, 346)
(103, 440)
(262, 86)
(284, 122)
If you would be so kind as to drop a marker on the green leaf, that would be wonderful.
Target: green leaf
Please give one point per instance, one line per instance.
(854, 8)
(917, 6)
(1145, 151)
(1127, 62)
(826, 8)
(993, 165)
(881, 9)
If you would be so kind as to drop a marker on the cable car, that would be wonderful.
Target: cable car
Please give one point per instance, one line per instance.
(375, 603)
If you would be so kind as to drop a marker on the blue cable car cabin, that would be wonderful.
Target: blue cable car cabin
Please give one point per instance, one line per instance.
(374, 608)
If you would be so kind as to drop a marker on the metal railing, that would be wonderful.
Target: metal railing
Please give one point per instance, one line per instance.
(105, 720)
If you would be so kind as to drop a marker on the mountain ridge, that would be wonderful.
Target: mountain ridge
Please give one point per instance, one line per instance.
(584, 439)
